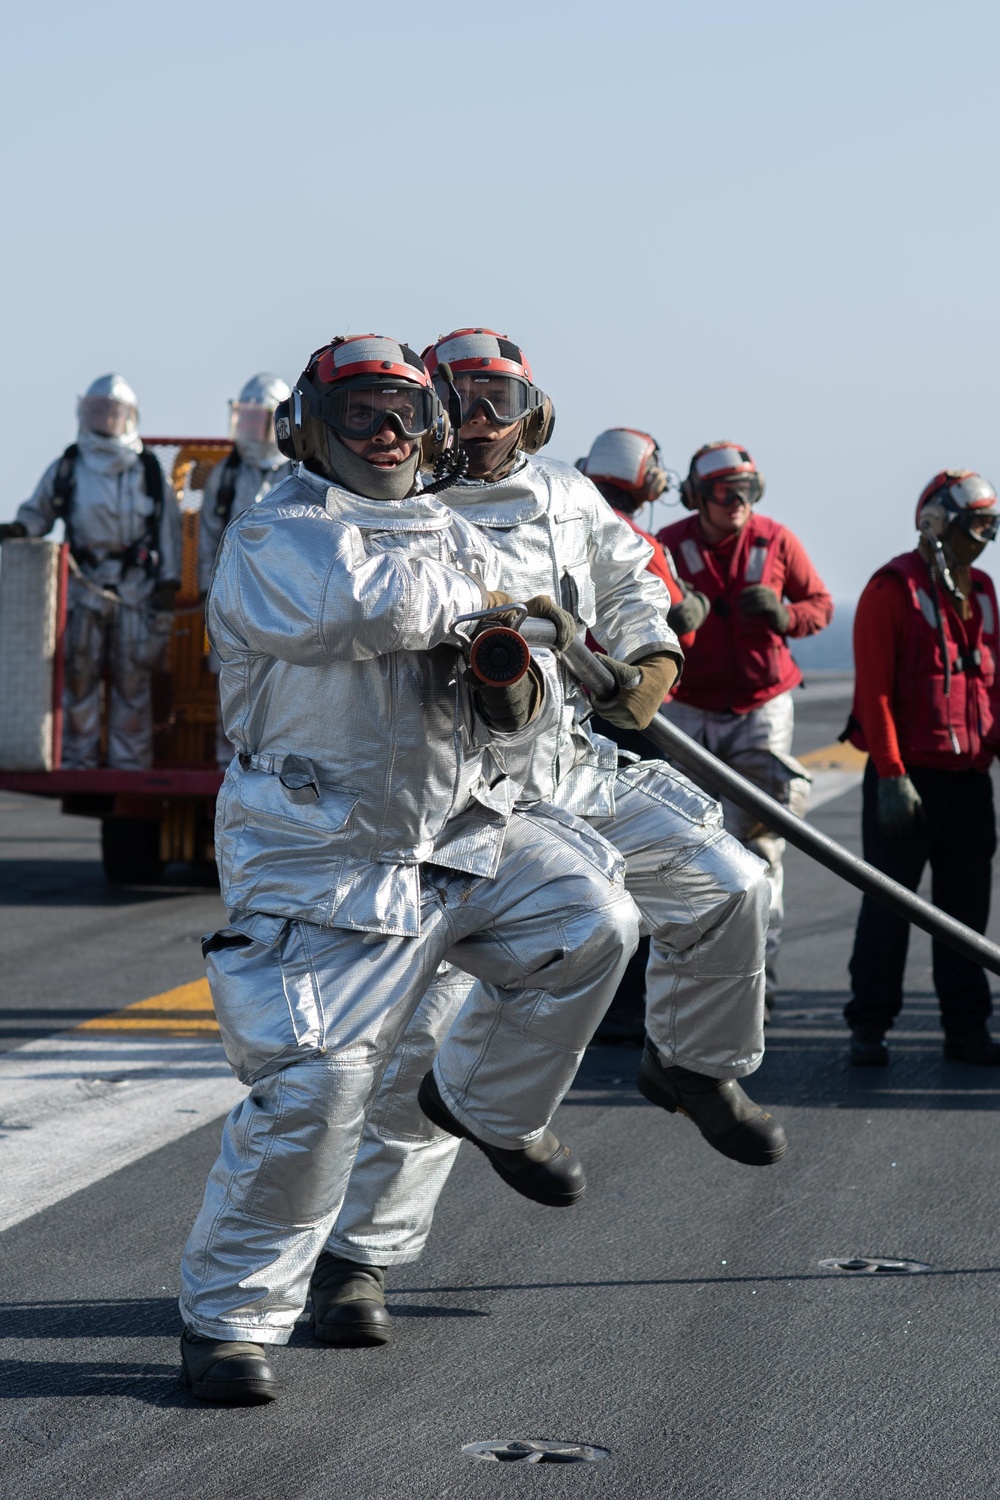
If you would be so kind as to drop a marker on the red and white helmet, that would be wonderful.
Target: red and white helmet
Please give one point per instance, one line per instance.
(628, 459)
(720, 461)
(484, 370)
(355, 385)
(959, 495)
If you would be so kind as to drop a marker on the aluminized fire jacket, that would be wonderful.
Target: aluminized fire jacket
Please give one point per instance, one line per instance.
(701, 896)
(366, 833)
(110, 512)
(250, 484)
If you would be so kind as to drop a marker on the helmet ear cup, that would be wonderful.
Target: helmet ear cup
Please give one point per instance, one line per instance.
(758, 489)
(654, 483)
(934, 518)
(689, 492)
(283, 428)
(435, 441)
(538, 427)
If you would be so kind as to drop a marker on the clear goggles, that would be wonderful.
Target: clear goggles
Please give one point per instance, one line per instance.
(504, 398)
(250, 423)
(982, 525)
(107, 416)
(361, 409)
(742, 490)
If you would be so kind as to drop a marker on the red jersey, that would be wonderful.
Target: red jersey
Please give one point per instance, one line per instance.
(738, 662)
(902, 714)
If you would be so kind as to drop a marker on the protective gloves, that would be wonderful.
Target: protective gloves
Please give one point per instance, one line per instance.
(10, 531)
(758, 599)
(635, 707)
(898, 805)
(164, 596)
(508, 708)
(690, 614)
(541, 607)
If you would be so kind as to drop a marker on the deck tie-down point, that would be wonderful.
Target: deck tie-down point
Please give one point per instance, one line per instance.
(540, 1451)
(864, 1265)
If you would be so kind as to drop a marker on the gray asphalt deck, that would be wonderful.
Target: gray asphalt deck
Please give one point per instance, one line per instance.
(678, 1316)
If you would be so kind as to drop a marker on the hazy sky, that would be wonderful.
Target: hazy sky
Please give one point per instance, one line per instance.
(775, 222)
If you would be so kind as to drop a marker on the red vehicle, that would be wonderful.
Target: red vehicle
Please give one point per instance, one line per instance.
(165, 815)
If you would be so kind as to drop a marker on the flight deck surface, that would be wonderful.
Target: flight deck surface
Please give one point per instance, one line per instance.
(680, 1316)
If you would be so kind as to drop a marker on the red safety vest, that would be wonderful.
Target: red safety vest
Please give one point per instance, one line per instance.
(737, 661)
(934, 727)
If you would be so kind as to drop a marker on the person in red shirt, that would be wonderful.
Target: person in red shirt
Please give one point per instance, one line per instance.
(756, 587)
(625, 465)
(926, 709)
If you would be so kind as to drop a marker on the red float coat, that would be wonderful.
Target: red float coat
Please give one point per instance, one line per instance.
(901, 713)
(738, 662)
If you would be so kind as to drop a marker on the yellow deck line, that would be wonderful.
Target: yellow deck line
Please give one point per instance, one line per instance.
(184, 1011)
(836, 757)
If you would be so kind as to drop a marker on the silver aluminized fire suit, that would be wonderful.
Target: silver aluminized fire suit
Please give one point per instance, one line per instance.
(251, 482)
(365, 834)
(701, 896)
(110, 513)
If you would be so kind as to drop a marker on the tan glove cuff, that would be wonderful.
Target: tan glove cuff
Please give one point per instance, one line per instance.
(643, 702)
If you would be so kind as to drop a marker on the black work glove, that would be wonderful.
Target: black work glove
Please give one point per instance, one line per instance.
(898, 805)
(542, 607)
(164, 596)
(690, 613)
(11, 531)
(636, 702)
(758, 599)
(508, 708)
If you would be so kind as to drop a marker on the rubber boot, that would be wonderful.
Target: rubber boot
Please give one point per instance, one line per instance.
(976, 1046)
(232, 1372)
(348, 1303)
(544, 1171)
(868, 1048)
(726, 1116)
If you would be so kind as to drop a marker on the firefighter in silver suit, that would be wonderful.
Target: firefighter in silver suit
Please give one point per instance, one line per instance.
(250, 470)
(123, 527)
(367, 832)
(702, 897)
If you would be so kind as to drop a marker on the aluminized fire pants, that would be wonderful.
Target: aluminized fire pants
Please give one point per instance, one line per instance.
(704, 901)
(133, 642)
(310, 1016)
(759, 746)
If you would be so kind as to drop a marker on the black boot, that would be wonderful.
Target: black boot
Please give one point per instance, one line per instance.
(868, 1048)
(348, 1303)
(233, 1372)
(975, 1046)
(727, 1118)
(544, 1171)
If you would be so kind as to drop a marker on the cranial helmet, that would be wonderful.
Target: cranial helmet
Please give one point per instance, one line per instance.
(720, 461)
(110, 408)
(629, 460)
(958, 496)
(479, 368)
(351, 388)
(251, 418)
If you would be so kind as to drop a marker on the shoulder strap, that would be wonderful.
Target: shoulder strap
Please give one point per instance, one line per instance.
(227, 486)
(152, 475)
(65, 482)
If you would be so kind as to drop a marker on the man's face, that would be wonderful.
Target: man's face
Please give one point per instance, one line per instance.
(727, 505)
(966, 542)
(385, 448)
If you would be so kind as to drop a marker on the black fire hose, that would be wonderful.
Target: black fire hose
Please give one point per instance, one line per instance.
(721, 781)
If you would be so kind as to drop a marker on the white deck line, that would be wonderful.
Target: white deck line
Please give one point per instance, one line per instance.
(76, 1108)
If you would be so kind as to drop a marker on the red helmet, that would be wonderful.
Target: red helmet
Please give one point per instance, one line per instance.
(958, 495)
(355, 385)
(722, 460)
(628, 459)
(484, 369)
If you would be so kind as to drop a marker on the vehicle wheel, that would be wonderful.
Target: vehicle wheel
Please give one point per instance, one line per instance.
(130, 851)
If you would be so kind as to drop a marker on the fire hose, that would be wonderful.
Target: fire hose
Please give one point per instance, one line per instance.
(500, 655)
